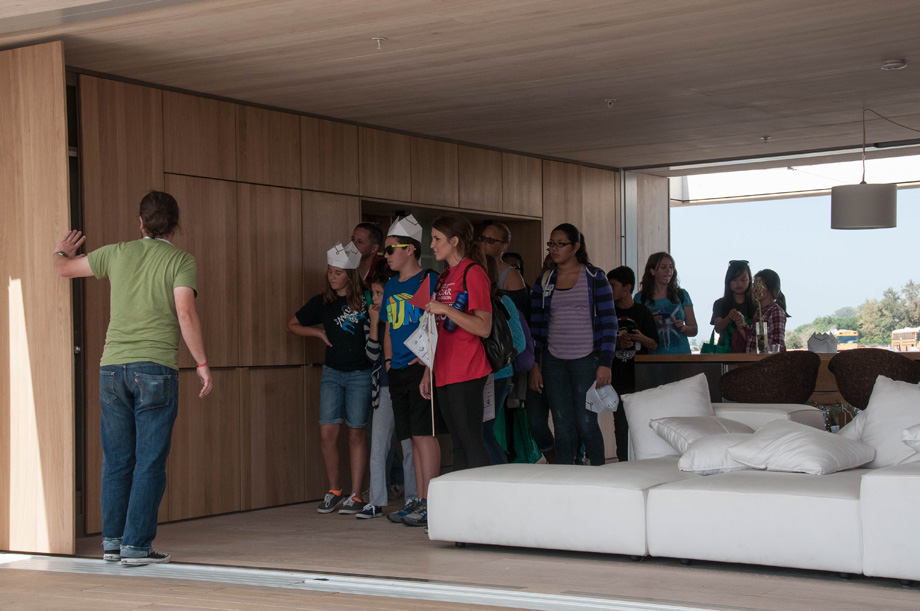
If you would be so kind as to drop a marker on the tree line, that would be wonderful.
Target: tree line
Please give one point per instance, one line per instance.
(874, 320)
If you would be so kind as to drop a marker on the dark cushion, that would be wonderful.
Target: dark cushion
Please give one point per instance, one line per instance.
(787, 377)
(856, 370)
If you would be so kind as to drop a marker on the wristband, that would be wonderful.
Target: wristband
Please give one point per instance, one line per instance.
(205, 364)
(387, 360)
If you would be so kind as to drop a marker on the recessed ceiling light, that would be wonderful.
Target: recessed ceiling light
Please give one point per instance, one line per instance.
(894, 64)
(378, 40)
(766, 138)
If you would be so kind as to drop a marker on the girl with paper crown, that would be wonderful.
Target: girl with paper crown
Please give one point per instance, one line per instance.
(338, 317)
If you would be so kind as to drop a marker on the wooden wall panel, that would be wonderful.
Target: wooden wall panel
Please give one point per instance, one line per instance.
(329, 154)
(327, 219)
(480, 176)
(272, 431)
(434, 172)
(384, 162)
(562, 195)
(36, 317)
(268, 147)
(270, 277)
(315, 481)
(601, 213)
(121, 131)
(209, 232)
(203, 469)
(529, 240)
(522, 185)
(199, 136)
(654, 217)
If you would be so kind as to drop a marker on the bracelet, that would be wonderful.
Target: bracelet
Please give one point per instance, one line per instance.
(387, 360)
(205, 364)
(62, 253)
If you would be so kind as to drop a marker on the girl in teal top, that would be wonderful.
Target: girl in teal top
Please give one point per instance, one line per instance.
(671, 305)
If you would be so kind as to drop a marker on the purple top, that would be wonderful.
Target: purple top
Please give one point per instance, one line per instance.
(570, 325)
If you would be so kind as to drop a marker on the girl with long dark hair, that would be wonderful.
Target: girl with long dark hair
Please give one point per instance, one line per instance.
(574, 326)
(673, 309)
(736, 306)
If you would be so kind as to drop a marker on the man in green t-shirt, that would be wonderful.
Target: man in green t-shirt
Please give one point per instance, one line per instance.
(152, 302)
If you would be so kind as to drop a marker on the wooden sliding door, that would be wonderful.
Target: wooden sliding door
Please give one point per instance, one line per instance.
(36, 317)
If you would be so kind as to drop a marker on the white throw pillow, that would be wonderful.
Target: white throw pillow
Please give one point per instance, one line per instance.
(783, 445)
(688, 397)
(854, 428)
(681, 431)
(709, 455)
(893, 407)
(911, 436)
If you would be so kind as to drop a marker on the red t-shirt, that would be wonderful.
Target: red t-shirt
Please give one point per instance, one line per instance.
(460, 356)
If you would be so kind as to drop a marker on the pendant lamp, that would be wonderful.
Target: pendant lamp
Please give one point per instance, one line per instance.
(864, 206)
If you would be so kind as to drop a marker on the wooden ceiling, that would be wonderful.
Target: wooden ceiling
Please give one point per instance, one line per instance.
(692, 80)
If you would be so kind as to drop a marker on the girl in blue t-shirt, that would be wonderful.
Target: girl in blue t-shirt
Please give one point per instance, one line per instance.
(673, 309)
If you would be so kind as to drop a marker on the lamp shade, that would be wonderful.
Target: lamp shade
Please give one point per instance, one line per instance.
(864, 206)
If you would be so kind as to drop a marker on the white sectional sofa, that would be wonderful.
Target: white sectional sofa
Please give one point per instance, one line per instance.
(854, 521)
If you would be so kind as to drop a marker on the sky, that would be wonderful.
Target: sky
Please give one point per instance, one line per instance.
(822, 270)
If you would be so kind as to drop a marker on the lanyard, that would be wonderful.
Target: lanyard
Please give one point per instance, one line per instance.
(450, 276)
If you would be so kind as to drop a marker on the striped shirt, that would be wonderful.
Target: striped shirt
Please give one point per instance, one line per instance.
(570, 333)
(603, 312)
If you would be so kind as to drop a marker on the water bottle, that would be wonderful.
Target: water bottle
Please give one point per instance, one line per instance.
(459, 303)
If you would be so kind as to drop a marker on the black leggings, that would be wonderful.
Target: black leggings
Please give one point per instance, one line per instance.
(462, 407)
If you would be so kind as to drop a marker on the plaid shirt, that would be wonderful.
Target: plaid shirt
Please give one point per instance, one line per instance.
(603, 312)
(775, 318)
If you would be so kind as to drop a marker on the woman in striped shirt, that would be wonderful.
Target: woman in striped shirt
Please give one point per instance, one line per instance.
(574, 326)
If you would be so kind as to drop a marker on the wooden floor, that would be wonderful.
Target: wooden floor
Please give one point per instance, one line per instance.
(297, 538)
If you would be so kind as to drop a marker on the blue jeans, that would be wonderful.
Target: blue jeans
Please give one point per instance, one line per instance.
(565, 383)
(345, 395)
(537, 409)
(139, 406)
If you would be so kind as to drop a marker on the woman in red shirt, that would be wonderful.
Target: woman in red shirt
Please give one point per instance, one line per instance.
(460, 364)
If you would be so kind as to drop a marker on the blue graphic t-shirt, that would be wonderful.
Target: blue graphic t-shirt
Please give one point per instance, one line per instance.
(402, 317)
(346, 330)
(666, 312)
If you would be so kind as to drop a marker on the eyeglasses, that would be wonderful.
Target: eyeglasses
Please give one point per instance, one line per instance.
(490, 241)
(389, 250)
(738, 262)
(552, 244)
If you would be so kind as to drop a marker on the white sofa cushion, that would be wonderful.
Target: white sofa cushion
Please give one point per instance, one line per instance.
(569, 507)
(893, 407)
(688, 397)
(758, 517)
(911, 436)
(681, 431)
(793, 447)
(755, 415)
(709, 455)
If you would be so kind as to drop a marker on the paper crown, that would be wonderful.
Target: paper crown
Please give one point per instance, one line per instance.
(406, 226)
(345, 257)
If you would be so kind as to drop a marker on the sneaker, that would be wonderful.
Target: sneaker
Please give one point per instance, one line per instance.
(370, 511)
(330, 502)
(351, 506)
(419, 517)
(111, 555)
(152, 557)
(394, 492)
(397, 516)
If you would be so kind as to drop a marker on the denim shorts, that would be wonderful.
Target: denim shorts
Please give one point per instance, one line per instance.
(345, 395)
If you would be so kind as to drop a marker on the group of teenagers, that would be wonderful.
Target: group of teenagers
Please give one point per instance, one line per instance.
(577, 327)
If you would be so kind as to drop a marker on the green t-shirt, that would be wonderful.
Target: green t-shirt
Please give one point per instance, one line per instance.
(143, 325)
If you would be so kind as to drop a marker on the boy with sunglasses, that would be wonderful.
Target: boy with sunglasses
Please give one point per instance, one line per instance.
(411, 412)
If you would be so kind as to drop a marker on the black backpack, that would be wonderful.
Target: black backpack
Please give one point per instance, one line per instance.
(499, 344)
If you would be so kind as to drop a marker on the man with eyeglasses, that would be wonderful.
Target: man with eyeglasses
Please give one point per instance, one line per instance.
(367, 238)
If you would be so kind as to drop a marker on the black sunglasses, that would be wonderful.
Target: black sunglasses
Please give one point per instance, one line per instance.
(391, 249)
